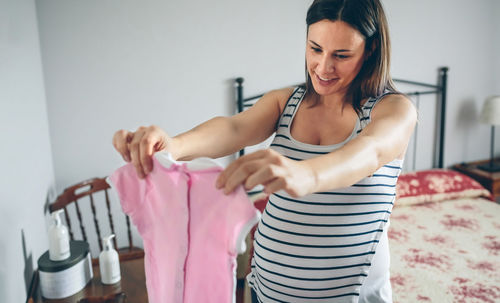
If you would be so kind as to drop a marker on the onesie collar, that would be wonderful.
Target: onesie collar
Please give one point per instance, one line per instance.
(166, 160)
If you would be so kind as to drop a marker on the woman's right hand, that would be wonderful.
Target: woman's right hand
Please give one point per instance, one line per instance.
(138, 147)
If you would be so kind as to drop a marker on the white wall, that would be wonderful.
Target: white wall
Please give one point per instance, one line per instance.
(460, 34)
(26, 177)
(122, 64)
(496, 37)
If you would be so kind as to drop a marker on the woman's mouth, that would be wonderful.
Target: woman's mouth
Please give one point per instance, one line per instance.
(326, 81)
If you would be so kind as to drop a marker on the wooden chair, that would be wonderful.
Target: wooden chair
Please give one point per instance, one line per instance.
(87, 188)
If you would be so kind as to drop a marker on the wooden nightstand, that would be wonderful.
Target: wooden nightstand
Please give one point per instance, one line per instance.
(491, 181)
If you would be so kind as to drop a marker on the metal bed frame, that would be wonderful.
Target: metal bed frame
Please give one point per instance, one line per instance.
(439, 89)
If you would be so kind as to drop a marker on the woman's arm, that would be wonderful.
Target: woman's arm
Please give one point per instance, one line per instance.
(384, 139)
(222, 136)
(217, 137)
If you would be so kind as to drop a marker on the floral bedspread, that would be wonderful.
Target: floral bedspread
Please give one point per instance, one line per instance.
(446, 251)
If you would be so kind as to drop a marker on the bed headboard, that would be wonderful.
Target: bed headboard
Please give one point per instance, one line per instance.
(414, 91)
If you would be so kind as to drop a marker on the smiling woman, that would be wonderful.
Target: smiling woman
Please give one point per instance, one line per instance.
(362, 53)
(331, 169)
(334, 57)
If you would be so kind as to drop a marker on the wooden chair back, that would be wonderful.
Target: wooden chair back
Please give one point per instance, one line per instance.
(88, 188)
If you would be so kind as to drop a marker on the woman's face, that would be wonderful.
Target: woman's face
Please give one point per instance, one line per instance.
(335, 54)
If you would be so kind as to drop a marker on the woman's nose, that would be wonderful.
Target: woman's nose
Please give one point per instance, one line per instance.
(326, 65)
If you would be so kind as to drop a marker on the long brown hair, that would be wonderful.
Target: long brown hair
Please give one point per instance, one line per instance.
(368, 17)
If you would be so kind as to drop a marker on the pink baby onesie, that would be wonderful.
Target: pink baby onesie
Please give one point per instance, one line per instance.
(191, 231)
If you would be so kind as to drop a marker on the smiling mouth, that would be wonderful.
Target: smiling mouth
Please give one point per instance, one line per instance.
(325, 80)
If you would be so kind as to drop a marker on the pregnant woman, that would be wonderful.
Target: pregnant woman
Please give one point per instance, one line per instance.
(331, 169)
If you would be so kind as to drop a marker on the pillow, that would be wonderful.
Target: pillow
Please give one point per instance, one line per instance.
(437, 185)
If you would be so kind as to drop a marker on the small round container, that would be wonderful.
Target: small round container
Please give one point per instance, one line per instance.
(61, 279)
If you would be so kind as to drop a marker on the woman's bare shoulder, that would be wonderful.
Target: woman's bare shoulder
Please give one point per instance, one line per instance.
(394, 104)
(281, 96)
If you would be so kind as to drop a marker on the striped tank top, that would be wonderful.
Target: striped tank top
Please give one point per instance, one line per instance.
(319, 248)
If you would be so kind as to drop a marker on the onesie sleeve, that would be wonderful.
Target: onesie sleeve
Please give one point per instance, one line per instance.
(130, 189)
(241, 217)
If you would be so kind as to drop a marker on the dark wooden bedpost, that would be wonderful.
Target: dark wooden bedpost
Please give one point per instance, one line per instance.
(239, 89)
(239, 100)
(443, 85)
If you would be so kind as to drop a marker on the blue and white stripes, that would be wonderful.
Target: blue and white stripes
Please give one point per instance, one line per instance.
(319, 248)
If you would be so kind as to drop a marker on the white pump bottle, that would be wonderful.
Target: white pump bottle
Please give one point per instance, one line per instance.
(109, 263)
(58, 238)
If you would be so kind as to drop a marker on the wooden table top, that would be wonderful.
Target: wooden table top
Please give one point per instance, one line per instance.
(133, 284)
(472, 167)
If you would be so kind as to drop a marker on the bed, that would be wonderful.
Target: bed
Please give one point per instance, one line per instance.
(445, 227)
(444, 239)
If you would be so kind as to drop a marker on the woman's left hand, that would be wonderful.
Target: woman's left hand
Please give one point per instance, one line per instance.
(269, 168)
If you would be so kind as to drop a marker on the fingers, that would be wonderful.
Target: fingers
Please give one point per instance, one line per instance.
(274, 171)
(120, 142)
(276, 185)
(241, 174)
(134, 148)
(146, 150)
(231, 168)
(250, 170)
(138, 147)
(264, 176)
(273, 178)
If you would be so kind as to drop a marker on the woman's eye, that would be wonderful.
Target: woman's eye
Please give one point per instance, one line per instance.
(341, 56)
(316, 50)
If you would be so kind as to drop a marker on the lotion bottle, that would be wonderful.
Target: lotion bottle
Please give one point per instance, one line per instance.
(58, 238)
(109, 263)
